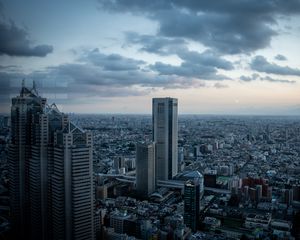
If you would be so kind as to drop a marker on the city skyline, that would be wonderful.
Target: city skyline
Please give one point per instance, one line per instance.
(237, 177)
(105, 57)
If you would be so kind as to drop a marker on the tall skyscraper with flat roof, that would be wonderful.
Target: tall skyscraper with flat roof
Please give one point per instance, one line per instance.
(145, 168)
(165, 136)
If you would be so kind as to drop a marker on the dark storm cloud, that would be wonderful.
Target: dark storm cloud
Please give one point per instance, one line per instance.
(230, 27)
(222, 32)
(260, 64)
(255, 77)
(14, 41)
(280, 57)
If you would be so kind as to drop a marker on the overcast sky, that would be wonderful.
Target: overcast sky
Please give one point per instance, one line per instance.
(100, 56)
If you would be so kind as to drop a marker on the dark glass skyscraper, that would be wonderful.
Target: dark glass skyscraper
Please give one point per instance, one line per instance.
(165, 136)
(192, 204)
(26, 174)
(50, 171)
(145, 169)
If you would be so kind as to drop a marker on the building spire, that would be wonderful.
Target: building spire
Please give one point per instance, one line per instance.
(23, 82)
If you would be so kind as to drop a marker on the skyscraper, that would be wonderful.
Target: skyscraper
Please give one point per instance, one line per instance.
(165, 136)
(25, 110)
(72, 184)
(192, 204)
(145, 169)
(34, 167)
(43, 127)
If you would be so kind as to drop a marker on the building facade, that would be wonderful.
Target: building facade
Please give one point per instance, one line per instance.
(72, 184)
(25, 111)
(192, 204)
(165, 136)
(145, 169)
(37, 156)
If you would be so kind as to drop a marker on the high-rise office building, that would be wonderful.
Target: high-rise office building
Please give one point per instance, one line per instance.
(72, 184)
(119, 163)
(33, 169)
(165, 136)
(43, 128)
(192, 204)
(145, 169)
(25, 110)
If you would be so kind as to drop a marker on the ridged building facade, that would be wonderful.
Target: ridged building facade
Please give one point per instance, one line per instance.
(165, 136)
(50, 169)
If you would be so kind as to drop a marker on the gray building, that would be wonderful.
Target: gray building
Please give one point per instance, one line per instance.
(145, 168)
(165, 136)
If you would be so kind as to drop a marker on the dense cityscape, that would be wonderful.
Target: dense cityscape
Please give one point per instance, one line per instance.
(149, 120)
(153, 176)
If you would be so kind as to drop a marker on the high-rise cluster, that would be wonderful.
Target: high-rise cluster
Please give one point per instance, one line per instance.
(158, 160)
(51, 175)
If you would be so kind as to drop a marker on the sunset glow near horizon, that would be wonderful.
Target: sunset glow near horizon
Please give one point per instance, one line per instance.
(216, 57)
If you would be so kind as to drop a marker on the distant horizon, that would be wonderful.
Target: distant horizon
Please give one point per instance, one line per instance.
(179, 114)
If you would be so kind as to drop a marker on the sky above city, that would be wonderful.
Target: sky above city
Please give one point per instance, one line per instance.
(100, 56)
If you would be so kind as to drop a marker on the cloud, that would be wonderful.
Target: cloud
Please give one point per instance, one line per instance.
(154, 44)
(206, 61)
(260, 64)
(206, 58)
(256, 76)
(5, 83)
(280, 57)
(229, 27)
(111, 62)
(14, 41)
(97, 75)
(188, 70)
(220, 85)
(218, 31)
(195, 65)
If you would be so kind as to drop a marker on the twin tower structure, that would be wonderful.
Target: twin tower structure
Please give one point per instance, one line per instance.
(159, 160)
(51, 172)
